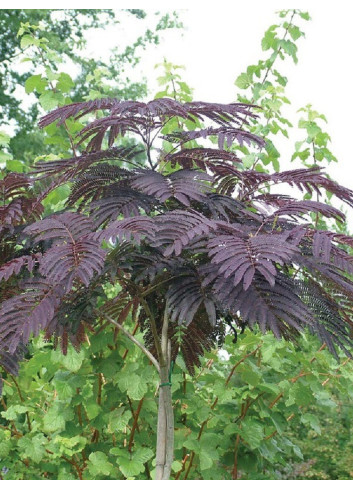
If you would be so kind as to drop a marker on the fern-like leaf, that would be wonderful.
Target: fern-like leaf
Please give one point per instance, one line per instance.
(73, 166)
(203, 158)
(126, 202)
(98, 182)
(241, 258)
(184, 297)
(225, 134)
(63, 228)
(131, 228)
(27, 313)
(75, 253)
(176, 229)
(183, 185)
(15, 266)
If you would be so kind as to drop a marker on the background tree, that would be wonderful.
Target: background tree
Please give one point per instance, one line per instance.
(64, 30)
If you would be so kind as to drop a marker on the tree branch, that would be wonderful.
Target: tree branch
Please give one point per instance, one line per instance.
(135, 426)
(133, 339)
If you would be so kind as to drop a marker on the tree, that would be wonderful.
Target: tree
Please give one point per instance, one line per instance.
(194, 243)
(64, 31)
(231, 398)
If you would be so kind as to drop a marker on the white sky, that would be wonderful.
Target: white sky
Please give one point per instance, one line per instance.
(222, 38)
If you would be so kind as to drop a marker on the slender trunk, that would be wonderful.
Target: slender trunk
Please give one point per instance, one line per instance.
(169, 426)
(165, 429)
(165, 426)
(169, 455)
(161, 436)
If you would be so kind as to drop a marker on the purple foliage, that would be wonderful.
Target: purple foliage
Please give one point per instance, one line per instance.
(188, 230)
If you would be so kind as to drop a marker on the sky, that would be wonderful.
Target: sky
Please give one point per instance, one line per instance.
(221, 39)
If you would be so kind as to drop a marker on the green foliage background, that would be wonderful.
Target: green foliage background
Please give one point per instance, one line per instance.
(259, 408)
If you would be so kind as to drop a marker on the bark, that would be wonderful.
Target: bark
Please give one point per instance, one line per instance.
(161, 436)
(165, 427)
(169, 455)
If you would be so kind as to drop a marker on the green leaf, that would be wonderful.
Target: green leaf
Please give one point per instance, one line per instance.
(65, 475)
(243, 81)
(300, 394)
(270, 38)
(271, 150)
(28, 40)
(143, 455)
(311, 420)
(118, 420)
(69, 446)
(5, 445)
(35, 82)
(135, 387)
(92, 409)
(72, 361)
(176, 466)
(4, 139)
(274, 104)
(64, 390)
(192, 445)
(5, 156)
(130, 467)
(289, 47)
(208, 453)
(298, 452)
(99, 464)
(56, 196)
(161, 94)
(184, 86)
(248, 341)
(50, 100)
(12, 412)
(33, 448)
(250, 376)
(252, 432)
(304, 15)
(249, 160)
(65, 82)
(275, 164)
(62, 385)
(294, 32)
(15, 165)
(279, 422)
(206, 460)
(54, 419)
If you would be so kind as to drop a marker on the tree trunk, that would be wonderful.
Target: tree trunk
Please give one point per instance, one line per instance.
(161, 437)
(169, 449)
(165, 429)
(165, 425)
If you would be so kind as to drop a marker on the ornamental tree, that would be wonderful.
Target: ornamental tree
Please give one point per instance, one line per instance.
(174, 233)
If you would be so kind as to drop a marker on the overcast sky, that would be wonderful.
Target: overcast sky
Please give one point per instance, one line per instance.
(222, 39)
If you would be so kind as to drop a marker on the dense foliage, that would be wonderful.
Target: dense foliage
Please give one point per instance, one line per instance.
(201, 246)
(92, 413)
(59, 38)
